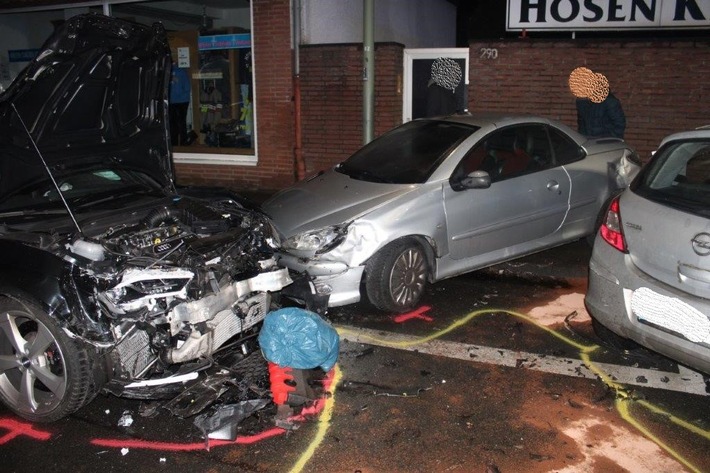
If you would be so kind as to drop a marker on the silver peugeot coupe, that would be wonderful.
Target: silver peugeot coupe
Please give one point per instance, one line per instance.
(435, 198)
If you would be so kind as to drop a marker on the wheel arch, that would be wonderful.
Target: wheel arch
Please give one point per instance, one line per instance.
(52, 283)
(424, 242)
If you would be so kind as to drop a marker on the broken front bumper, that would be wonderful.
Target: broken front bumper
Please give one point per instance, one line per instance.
(334, 280)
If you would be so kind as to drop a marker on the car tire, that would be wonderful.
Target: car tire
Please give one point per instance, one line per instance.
(44, 374)
(612, 339)
(396, 276)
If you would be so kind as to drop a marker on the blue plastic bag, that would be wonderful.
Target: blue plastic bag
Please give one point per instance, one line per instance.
(299, 339)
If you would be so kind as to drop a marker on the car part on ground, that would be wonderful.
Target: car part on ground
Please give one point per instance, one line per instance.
(439, 197)
(650, 268)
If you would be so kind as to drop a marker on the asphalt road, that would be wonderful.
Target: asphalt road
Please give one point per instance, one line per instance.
(497, 371)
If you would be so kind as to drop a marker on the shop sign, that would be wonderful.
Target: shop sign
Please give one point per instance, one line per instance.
(570, 15)
(224, 41)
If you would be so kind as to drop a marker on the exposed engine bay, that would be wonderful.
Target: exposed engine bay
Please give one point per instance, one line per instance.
(111, 278)
(175, 286)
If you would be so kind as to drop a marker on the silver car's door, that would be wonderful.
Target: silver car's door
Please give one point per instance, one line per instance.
(527, 200)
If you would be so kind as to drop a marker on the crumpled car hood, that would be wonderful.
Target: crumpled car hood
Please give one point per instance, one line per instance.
(330, 198)
(96, 94)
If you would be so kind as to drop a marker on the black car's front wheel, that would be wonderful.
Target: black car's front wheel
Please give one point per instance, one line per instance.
(44, 374)
(396, 276)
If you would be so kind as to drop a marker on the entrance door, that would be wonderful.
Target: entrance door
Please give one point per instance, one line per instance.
(418, 78)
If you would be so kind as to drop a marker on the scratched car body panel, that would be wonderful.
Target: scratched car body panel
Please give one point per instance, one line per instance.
(649, 278)
(435, 198)
(110, 278)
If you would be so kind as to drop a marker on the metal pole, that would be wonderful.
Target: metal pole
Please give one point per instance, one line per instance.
(368, 72)
(296, 39)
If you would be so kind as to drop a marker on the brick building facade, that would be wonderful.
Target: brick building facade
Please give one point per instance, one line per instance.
(662, 85)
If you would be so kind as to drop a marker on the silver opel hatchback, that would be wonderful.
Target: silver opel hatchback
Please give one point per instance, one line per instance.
(649, 275)
(435, 198)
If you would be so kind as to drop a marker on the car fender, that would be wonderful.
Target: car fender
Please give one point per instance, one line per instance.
(418, 214)
(45, 278)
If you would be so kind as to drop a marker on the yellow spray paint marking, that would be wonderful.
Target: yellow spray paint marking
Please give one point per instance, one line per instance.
(323, 425)
(622, 402)
(463, 321)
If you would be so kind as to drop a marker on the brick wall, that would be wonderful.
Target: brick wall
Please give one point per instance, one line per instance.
(271, 42)
(663, 85)
(331, 97)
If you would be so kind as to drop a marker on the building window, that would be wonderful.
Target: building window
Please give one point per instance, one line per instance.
(212, 105)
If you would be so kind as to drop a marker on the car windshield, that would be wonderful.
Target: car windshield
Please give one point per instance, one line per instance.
(408, 154)
(679, 176)
(81, 190)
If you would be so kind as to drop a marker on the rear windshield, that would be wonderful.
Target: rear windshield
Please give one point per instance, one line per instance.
(679, 176)
(408, 154)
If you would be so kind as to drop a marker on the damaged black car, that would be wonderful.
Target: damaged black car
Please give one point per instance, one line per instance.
(110, 279)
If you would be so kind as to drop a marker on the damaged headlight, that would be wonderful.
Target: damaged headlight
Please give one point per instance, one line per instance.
(274, 238)
(317, 241)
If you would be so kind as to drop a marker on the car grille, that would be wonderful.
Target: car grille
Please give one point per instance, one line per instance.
(135, 354)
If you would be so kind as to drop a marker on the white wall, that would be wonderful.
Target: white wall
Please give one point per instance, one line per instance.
(414, 23)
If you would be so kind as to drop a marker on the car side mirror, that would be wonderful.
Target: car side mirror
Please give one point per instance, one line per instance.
(477, 180)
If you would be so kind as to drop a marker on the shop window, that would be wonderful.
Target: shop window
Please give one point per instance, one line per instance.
(210, 44)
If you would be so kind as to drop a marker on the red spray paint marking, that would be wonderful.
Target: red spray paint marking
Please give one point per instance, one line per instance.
(185, 447)
(415, 314)
(16, 428)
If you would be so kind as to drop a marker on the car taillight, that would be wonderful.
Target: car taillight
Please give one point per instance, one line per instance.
(611, 229)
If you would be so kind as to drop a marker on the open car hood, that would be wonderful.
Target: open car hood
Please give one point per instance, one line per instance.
(95, 95)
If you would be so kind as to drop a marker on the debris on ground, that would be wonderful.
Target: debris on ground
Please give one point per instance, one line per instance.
(126, 419)
(223, 422)
(380, 390)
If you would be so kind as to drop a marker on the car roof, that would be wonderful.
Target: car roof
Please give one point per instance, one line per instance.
(490, 120)
(497, 119)
(701, 132)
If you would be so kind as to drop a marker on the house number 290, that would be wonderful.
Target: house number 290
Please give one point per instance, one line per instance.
(489, 53)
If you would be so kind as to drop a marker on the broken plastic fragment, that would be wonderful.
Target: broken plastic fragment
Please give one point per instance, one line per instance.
(222, 424)
(126, 419)
(124, 451)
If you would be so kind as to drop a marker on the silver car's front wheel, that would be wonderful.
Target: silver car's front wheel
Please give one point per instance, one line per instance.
(396, 277)
(44, 375)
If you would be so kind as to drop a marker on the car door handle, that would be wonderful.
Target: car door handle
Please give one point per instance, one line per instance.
(554, 186)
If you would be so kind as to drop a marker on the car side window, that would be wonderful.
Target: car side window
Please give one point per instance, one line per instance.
(565, 150)
(507, 153)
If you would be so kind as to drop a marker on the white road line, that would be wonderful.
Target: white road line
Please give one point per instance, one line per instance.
(686, 381)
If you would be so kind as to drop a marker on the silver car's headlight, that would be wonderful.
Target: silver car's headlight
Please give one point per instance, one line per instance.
(317, 241)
